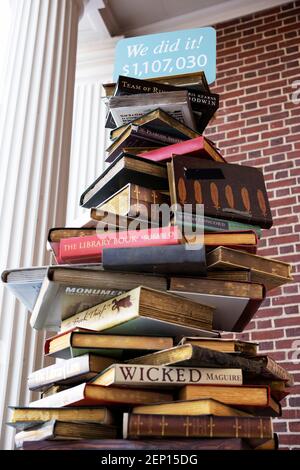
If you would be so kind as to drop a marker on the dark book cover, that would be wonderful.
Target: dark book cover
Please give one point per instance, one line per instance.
(175, 259)
(233, 192)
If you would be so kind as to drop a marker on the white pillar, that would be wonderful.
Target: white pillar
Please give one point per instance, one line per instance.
(34, 147)
(95, 60)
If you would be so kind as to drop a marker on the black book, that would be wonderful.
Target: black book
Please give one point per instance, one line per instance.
(125, 169)
(175, 259)
(203, 104)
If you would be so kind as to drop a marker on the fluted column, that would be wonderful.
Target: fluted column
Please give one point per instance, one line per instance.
(35, 135)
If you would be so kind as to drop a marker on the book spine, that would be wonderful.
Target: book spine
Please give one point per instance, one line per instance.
(61, 399)
(58, 372)
(137, 426)
(140, 375)
(158, 136)
(279, 372)
(106, 315)
(90, 247)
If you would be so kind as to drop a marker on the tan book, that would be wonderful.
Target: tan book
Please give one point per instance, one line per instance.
(87, 394)
(52, 430)
(144, 310)
(136, 375)
(230, 275)
(204, 406)
(22, 417)
(272, 273)
(135, 201)
(74, 343)
(235, 395)
(153, 117)
(223, 345)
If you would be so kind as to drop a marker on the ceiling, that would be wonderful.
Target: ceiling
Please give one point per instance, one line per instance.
(122, 16)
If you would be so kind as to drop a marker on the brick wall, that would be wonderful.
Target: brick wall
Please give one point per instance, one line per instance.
(259, 125)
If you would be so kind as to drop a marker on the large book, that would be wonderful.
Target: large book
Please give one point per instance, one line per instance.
(144, 311)
(74, 370)
(139, 426)
(203, 103)
(235, 302)
(176, 259)
(200, 147)
(128, 108)
(87, 394)
(201, 407)
(234, 192)
(195, 356)
(196, 80)
(125, 169)
(89, 248)
(79, 341)
(232, 346)
(25, 417)
(270, 272)
(251, 397)
(158, 121)
(54, 429)
(137, 375)
(66, 291)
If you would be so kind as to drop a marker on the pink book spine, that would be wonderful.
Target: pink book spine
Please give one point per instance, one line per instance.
(90, 248)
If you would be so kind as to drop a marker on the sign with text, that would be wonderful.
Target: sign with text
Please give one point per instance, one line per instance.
(165, 54)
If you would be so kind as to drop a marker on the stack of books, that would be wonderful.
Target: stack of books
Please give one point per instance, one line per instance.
(162, 261)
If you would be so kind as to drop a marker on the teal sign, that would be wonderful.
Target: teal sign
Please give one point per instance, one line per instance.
(156, 55)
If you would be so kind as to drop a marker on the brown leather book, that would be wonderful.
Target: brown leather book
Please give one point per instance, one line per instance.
(269, 272)
(248, 397)
(223, 345)
(139, 426)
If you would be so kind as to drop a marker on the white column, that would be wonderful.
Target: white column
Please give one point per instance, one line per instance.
(95, 60)
(35, 138)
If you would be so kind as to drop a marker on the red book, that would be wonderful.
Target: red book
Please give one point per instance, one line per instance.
(89, 248)
(198, 147)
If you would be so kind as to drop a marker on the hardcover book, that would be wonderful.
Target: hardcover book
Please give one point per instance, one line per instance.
(256, 398)
(188, 355)
(79, 341)
(200, 147)
(176, 259)
(125, 169)
(87, 394)
(137, 426)
(90, 248)
(227, 191)
(135, 375)
(25, 417)
(66, 291)
(203, 406)
(52, 430)
(269, 272)
(74, 370)
(235, 302)
(128, 108)
(196, 80)
(158, 121)
(232, 346)
(137, 312)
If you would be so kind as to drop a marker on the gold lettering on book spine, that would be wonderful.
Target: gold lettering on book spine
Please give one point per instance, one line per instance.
(163, 425)
(237, 427)
(187, 424)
